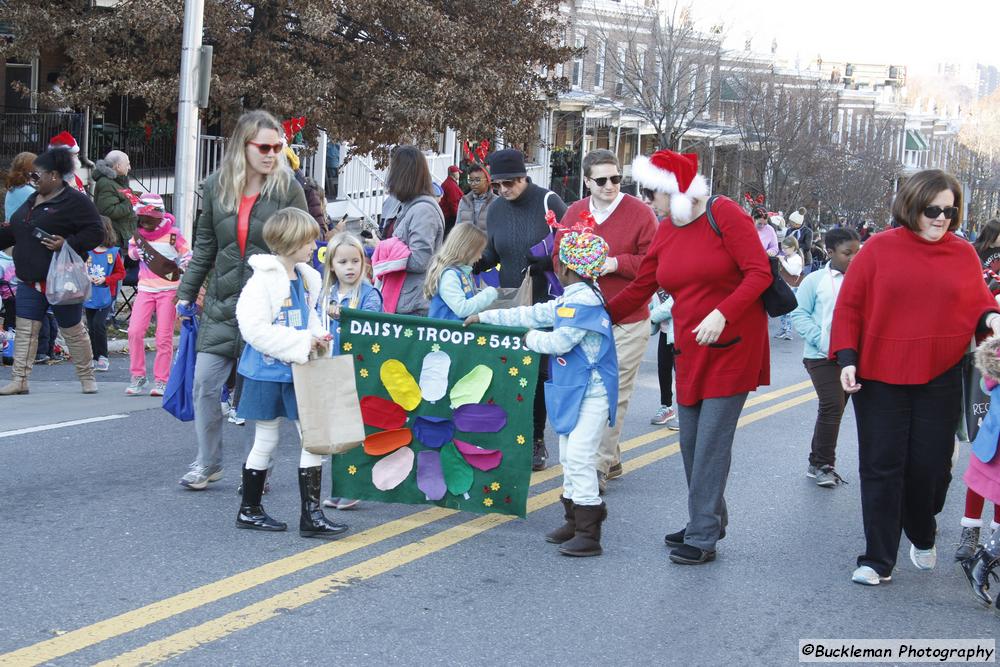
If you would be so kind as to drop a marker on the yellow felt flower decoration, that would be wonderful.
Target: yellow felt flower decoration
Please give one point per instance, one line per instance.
(348, 347)
(376, 348)
(520, 439)
(495, 486)
(352, 470)
(481, 340)
(488, 502)
(526, 361)
(363, 372)
(513, 371)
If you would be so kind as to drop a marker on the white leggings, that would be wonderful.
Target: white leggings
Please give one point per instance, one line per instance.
(265, 440)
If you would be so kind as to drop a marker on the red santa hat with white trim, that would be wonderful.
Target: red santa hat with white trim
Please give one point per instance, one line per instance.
(675, 174)
(64, 140)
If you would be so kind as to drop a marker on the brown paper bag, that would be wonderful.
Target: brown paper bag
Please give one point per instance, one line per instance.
(524, 292)
(329, 410)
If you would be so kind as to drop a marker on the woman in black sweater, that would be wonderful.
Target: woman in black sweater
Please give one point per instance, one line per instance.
(52, 216)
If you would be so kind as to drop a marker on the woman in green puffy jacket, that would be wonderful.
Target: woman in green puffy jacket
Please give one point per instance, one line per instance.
(253, 183)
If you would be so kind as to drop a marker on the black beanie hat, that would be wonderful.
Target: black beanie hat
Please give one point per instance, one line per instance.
(508, 163)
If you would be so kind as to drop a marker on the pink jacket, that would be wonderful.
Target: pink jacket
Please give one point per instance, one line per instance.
(389, 270)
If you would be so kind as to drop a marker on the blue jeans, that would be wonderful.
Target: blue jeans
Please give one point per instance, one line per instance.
(32, 305)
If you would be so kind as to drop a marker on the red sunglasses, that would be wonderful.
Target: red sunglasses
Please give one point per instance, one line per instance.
(267, 148)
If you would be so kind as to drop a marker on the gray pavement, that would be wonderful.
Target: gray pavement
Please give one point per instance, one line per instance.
(96, 527)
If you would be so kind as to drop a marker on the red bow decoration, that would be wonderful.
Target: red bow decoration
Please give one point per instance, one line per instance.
(293, 126)
(751, 201)
(480, 152)
(585, 223)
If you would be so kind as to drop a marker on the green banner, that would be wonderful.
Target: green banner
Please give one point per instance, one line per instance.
(447, 411)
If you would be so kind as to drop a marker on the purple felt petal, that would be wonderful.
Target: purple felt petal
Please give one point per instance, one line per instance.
(433, 431)
(477, 457)
(479, 418)
(430, 477)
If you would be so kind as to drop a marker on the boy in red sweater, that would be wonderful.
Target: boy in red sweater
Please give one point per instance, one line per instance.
(628, 227)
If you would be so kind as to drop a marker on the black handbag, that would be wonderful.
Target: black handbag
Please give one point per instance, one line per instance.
(778, 298)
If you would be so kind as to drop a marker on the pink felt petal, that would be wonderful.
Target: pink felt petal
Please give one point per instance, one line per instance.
(392, 470)
(430, 477)
(477, 457)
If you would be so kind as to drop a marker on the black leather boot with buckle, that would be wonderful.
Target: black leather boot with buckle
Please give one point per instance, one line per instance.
(252, 514)
(313, 523)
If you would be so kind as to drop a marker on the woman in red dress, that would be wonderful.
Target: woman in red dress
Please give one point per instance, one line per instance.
(720, 329)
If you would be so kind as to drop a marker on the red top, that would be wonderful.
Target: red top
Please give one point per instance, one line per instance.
(243, 222)
(909, 307)
(116, 276)
(628, 231)
(452, 196)
(704, 272)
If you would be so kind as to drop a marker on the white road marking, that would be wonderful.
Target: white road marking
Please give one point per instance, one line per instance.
(50, 427)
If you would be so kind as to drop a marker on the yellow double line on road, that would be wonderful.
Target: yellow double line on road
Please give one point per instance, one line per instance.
(246, 617)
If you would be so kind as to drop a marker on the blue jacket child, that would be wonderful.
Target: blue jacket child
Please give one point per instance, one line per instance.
(582, 393)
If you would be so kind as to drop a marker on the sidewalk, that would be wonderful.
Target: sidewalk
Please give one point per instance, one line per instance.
(56, 402)
(118, 345)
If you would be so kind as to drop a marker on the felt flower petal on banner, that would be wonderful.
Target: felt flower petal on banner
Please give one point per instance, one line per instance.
(430, 476)
(433, 431)
(384, 442)
(480, 418)
(434, 376)
(477, 457)
(400, 384)
(380, 413)
(457, 473)
(392, 470)
(472, 387)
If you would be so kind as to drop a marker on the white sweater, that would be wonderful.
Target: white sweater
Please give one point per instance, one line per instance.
(261, 301)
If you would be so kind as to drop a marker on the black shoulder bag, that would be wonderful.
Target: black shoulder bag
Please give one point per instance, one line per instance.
(778, 298)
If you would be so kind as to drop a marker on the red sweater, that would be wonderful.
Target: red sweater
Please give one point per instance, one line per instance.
(704, 272)
(628, 232)
(909, 307)
(452, 195)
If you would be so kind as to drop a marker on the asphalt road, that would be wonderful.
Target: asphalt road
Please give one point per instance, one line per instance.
(106, 560)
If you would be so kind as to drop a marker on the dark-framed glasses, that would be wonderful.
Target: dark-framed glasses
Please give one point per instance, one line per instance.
(34, 176)
(950, 212)
(508, 184)
(603, 180)
(647, 193)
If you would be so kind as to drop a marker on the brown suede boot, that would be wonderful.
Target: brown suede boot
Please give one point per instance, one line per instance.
(78, 342)
(587, 540)
(25, 348)
(568, 529)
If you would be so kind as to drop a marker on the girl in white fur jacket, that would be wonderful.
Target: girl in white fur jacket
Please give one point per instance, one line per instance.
(277, 317)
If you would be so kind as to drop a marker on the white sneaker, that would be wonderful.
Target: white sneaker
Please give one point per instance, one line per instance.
(923, 559)
(136, 387)
(866, 576)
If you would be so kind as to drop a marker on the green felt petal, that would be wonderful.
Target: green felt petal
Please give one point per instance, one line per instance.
(457, 473)
(472, 387)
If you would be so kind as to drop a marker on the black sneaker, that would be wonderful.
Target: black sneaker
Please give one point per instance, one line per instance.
(674, 540)
(539, 455)
(686, 554)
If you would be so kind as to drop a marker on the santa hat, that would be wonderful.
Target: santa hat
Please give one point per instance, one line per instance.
(64, 140)
(675, 174)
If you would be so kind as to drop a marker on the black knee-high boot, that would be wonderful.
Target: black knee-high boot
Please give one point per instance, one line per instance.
(313, 523)
(252, 514)
(980, 567)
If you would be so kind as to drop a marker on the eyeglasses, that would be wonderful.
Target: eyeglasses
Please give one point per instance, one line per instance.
(508, 184)
(34, 176)
(267, 148)
(603, 180)
(475, 180)
(646, 193)
(950, 212)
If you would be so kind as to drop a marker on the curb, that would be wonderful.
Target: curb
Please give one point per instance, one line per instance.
(118, 346)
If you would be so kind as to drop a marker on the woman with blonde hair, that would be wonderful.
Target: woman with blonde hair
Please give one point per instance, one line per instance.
(449, 285)
(253, 183)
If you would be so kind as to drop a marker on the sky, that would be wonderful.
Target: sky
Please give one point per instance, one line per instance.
(916, 33)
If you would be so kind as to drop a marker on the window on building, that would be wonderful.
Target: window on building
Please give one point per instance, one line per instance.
(577, 74)
(602, 48)
(620, 64)
(659, 77)
(640, 74)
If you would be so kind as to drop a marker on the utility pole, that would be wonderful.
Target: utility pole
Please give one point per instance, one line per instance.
(188, 122)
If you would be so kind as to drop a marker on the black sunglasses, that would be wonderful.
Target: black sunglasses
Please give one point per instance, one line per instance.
(602, 181)
(646, 193)
(950, 212)
(507, 184)
(34, 176)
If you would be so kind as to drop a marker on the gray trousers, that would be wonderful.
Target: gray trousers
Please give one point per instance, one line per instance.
(210, 372)
(707, 431)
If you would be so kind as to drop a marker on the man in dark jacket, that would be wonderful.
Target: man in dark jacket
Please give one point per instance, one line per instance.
(113, 195)
(514, 223)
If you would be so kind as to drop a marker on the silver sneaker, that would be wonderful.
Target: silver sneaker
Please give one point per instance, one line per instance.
(827, 477)
(674, 424)
(159, 388)
(923, 559)
(812, 471)
(198, 478)
(102, 364)
(664, 414)
(136, 386)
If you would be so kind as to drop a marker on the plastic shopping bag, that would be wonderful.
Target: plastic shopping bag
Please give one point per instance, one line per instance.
(68, 281)
(178, 398)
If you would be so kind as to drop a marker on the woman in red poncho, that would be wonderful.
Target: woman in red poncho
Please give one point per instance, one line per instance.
(909, 306)
(720, 330)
